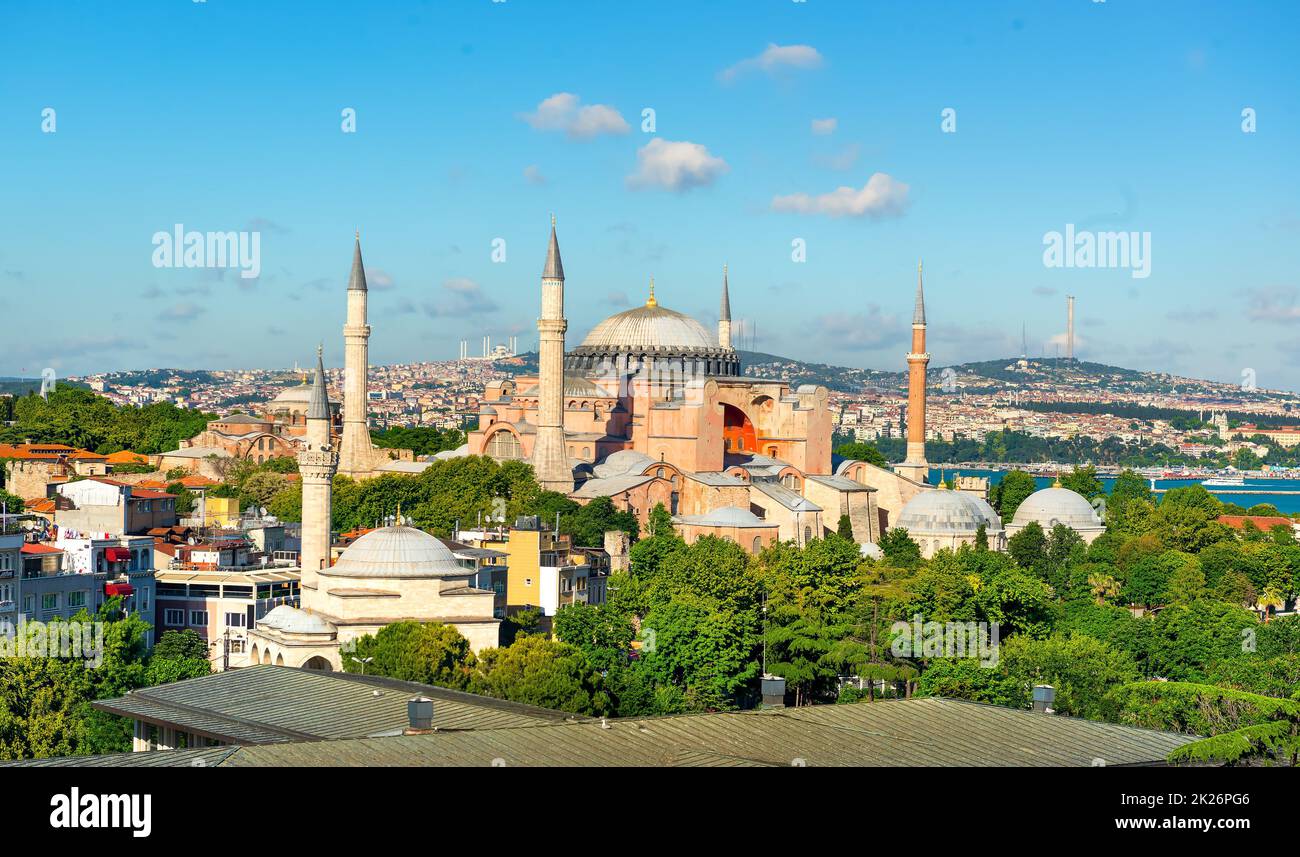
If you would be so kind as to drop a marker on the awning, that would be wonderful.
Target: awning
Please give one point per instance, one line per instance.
(111, 589)
(117, 554)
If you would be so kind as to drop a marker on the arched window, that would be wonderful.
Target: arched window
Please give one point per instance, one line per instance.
(807, 534)
(503, 444)
(758, 544)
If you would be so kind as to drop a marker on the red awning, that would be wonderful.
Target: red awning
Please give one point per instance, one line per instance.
(118, 589)
(117, 554)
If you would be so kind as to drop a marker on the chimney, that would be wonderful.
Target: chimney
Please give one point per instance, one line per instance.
(1044, 696)
(773, 691)
(419, 714)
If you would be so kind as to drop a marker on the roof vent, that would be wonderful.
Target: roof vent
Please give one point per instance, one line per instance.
(419, 713)
(1044, 696)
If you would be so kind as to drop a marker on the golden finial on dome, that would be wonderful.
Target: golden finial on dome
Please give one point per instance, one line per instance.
(650, 301)
(398, 521)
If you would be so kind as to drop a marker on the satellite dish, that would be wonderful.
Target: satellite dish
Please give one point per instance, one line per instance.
(192, 541)
(261, 511)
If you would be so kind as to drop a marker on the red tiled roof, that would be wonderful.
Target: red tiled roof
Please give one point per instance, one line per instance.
(1261, 522)
(37, 548)
(126, 456)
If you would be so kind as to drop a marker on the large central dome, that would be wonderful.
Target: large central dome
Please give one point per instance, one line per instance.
(649, 327)
(648, 335)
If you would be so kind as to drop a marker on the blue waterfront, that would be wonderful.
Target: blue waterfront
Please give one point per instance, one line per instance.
(1286, 503)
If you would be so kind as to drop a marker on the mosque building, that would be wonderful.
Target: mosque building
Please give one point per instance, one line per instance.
(390, 574)
(651, 407)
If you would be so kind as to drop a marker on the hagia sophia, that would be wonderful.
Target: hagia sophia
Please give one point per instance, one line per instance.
(650, 408)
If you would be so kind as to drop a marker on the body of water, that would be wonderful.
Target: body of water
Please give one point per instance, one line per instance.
(1286, 503)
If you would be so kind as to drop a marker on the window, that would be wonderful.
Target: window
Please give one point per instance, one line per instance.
(6, 562)
(807, 534)
(173, 617)
(235, 620)
(144, 600)
(29, 604)
(6, 592)
(758, 544)
(50, 601)
(528, 581)
(503, 444)
(198, 617)
(77, 599)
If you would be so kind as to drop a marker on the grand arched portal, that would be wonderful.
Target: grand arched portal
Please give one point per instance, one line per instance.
(737, 431)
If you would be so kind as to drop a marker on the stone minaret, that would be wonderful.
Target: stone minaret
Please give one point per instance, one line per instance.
(915, 466)
(355, 450)
(550, 455)
(317, 463)
(724, 315)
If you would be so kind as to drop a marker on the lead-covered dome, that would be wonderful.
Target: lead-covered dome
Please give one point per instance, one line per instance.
(650, 334)
(650, 327)
(1052, 506)
(944, 512)
(396, 552)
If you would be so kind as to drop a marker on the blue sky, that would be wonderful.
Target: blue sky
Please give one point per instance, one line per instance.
(226, 115)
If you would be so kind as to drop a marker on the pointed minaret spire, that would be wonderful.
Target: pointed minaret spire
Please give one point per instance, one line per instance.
(550, 454)
(358, 279)
(914, 465)
(725, 313)
(554, 269)
(918, 313)
(318, 406)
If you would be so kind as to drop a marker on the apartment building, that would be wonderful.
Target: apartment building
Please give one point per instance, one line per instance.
(545, 570)
(107, 506)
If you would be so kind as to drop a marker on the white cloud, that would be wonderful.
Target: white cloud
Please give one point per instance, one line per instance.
(822, 127)
(774, 59)
(563, 111)
(461, 297)
(183, 311)
(675, 166)
(881, 196)
(533, 175)
(843, 160)
(378, 279)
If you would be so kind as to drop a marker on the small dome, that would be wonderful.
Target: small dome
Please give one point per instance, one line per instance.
(301, 393)
(649, 327)
(574, 385)
(944, 512)
(396, 552)
(291, 620)
(1052, 506)
(625, 462)
(727, 516)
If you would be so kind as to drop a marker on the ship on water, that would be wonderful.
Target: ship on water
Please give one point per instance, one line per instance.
(1224, 482)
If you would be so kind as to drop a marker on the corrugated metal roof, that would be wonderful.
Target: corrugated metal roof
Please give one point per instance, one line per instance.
(904, 733)
(270, 704)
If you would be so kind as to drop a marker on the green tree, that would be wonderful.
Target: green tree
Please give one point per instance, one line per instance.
(424, 652)
(180, 644)
(899, 549)
(844, 529)
(1083, 480)
(862, 452)
(1011, 491)
(538, 671)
